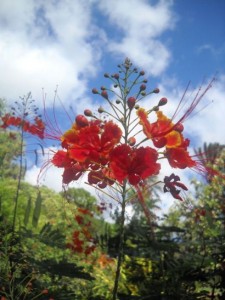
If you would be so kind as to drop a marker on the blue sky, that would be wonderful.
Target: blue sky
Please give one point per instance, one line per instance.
(72, 43)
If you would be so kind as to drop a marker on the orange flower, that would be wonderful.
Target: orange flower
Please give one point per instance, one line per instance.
(162, 132)
(87, 148)
(91, 143)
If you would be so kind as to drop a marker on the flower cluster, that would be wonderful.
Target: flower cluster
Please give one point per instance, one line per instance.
(36, 128)
(113, 151)
(24, 116)
(82, 240)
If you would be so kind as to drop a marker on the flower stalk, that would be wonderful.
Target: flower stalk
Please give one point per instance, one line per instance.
(121, 148)
(121, 242)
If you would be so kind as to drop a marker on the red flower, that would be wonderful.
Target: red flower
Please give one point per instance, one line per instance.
(72, 169)
(92, 143)
(79, 219)
(166, 134)
(179, 158)
(9, 120)
(37, 128)
(77, 245)
(73, 173)
(89, 249)
(84, 211)
(162, 132)
(172, 182)
(133, 164)
(61, 159)
(88, 146)
(101, 178)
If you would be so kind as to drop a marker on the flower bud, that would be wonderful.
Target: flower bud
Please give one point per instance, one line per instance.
(105, 94)
(137, 106)
(145, 81)
(156, 90)
(81, 121)
(116, 76)
(143, 93)
(106, 75)
(115, 85)
(103, 88)
(118, 101)
(131, 102)
(162, 101)
(132, 141)
(94, 91)
(100, 110)
(159, 142)
(87, 112)
(179, 127)
(143, 87)
(142, 73)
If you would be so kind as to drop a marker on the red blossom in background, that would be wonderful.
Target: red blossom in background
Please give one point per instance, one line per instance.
(36, 128)
(24, 116)
(82, 239)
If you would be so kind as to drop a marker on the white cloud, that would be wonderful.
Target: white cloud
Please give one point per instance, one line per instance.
(141, 24)
(47, 43)
(215, 51)
(52, 178)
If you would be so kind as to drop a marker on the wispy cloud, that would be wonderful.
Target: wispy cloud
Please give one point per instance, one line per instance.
(214, 51)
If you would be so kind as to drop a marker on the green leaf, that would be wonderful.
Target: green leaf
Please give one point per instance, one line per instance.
(27, 212)
(37, 210)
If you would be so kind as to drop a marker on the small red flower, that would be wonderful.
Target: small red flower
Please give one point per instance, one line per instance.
(179, 158)
(61, 159)
(172, 183)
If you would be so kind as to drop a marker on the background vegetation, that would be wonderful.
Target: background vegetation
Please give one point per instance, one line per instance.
(60, 246)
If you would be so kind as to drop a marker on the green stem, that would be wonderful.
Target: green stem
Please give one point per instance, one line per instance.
(18, 183)
(121, 244)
